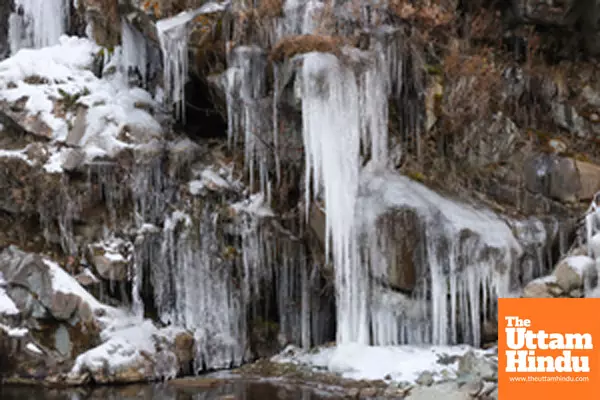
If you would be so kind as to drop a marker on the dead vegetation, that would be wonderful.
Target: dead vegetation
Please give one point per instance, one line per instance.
(291, 46)
(471, 90)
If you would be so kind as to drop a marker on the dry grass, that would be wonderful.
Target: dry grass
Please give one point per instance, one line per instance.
(294, 45)
(270, 9)
(429, 14)
(472, 85)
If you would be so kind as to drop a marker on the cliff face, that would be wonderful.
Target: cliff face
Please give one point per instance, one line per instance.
(288, 172)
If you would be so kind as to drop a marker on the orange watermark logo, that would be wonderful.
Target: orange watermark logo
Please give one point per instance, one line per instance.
(548, 349)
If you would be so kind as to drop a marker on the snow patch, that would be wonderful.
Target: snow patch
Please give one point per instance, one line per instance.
(33, 348)
(65, 283)
(14, 332)
(20, 154)
(254, 205)
(7, 306)
(580, 264)
(398, 363)
(55, 81)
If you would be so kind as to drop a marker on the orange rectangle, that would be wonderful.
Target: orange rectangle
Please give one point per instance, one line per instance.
(548, 349)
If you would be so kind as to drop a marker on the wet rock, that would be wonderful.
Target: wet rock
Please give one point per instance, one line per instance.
(552, 176)
(590, 179)
(425, 378)
(477, 366)
(368, 393)
(567, 117)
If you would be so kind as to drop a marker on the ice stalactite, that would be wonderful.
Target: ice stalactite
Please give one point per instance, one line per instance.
(135, 52)
(332, 122)
(300, 17)
(37, 23)
(173, 37)
(344, 112)
(463, 264)
(248, 110)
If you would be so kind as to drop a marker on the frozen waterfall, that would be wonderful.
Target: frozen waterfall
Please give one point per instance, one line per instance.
(37, 23)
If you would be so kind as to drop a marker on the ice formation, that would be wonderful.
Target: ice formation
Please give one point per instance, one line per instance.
(173, 36)
(135, 52)
(37, 23)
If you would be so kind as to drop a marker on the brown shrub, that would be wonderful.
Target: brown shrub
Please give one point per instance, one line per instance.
(472, 84)
(270, 9)
(290, 46)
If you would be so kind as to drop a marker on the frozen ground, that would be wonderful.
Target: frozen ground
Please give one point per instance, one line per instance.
(389, 363)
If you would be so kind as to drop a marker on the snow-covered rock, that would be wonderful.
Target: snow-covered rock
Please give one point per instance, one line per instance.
(573, 272)
(101, 343)
(54, 92)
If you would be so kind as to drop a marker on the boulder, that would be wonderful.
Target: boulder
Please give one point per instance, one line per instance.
(552, 176)
(576, 272)
(446, 391)
(473, 365)
(111, 258)
(589, 175)
(541, 287)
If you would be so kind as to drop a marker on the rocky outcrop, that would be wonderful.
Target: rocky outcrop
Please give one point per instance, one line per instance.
(201, 234)
(59, 333)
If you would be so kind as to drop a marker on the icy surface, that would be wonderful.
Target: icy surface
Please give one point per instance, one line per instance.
(64, 72)
(7, 306)
(469, 253)
(395, 363)
(36, 23)
(331, 131)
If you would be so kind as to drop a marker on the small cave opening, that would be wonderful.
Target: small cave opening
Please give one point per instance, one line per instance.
(203, 120)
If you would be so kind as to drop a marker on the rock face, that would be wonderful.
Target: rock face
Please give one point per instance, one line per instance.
(200, 226)
(59, 333)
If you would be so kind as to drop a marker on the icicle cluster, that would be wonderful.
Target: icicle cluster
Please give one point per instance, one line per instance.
(37, 23)
(173, 37)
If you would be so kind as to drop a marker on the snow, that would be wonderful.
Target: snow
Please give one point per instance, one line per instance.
(127, 344)
(254, 205)
(33, 348)
(14, 332)
(361, 362)
(114, 257)
(581, 264)
(20, 154)
(65, 283)
(196, 187)
(55, 161)
(63, 72)
(213, 179)
(7, 306)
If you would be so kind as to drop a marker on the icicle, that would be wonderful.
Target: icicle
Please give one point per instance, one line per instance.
(331, 131)
(37, 23)
(134, 51)
(173, 37)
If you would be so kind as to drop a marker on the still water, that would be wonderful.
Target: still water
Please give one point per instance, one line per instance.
(236, 390)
